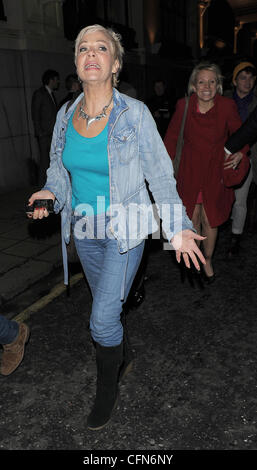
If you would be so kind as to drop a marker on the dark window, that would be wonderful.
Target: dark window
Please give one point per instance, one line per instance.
(78, 14)
(2, 15)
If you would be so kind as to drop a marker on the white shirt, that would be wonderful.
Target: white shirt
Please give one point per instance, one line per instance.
(50, 93)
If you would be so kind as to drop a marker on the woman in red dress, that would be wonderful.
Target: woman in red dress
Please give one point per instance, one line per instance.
(203, 175)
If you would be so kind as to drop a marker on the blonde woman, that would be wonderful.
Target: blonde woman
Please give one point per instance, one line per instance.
(211, 118)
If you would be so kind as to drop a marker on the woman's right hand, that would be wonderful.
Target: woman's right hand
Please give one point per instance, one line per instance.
(40, 213)
(232, 161)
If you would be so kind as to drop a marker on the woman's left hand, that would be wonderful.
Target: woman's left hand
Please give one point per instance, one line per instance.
(232, 161)
(184, 244)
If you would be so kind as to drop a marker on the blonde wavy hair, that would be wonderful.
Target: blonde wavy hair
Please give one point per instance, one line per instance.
(205, 66)
(116, 46)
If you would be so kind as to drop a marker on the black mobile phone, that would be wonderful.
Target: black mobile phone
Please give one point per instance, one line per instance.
(41, 203)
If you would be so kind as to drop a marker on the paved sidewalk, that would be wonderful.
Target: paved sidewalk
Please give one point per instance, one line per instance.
(29, 250)
(193, 383)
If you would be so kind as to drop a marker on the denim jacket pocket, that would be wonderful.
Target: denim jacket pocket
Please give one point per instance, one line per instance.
(125, 144)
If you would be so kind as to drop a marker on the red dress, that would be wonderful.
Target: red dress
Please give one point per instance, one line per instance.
(202, 158)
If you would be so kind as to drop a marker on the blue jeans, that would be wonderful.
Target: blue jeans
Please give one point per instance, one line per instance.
(110, 275)
(8, 330)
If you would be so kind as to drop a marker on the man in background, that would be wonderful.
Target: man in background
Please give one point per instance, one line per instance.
(44, 110)
(244, 77)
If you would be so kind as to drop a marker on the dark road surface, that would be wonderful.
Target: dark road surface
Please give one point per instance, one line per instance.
(194, 382)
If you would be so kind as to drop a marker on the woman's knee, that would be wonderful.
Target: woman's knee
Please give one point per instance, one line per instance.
(105, 330)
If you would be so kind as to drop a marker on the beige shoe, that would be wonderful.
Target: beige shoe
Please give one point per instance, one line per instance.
(13, 353)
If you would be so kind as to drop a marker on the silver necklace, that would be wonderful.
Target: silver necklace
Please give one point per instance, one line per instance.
(89, 119)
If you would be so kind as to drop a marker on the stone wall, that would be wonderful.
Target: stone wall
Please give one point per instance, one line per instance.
(31, 41)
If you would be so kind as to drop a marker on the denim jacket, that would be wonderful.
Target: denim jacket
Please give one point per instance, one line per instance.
(135, 153)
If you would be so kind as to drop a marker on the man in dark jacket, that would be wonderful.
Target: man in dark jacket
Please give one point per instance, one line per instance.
(244, 76)
(246, 134)
(44, 110)
(74, 89)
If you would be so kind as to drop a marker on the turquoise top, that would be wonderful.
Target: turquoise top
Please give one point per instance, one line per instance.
(86, 159)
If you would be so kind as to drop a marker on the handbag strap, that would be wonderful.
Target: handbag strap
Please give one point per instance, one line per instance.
(180, 142)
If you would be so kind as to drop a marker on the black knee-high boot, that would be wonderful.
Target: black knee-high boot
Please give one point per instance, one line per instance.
(108, 361)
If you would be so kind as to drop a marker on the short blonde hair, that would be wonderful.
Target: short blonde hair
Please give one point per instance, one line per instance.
(205, 66)
(115, 40)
